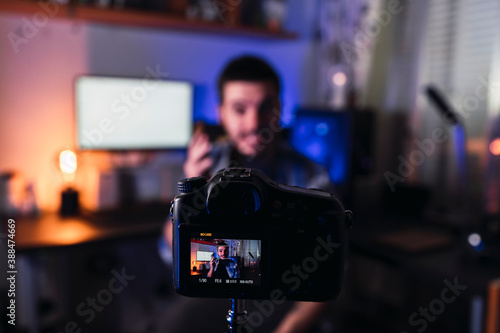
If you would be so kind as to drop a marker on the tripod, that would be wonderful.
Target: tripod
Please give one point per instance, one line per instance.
(237, 316)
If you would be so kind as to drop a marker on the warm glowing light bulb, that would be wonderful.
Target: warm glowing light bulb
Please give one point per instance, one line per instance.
(67, 162)
(495, 147)
(339, 79)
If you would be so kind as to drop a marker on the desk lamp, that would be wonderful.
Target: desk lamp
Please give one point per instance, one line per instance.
(69, 196)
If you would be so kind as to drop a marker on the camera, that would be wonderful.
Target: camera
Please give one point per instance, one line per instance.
(243, 236)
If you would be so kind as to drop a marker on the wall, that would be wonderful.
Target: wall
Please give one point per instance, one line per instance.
(36, 82)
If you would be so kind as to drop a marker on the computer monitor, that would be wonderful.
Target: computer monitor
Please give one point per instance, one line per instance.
(205, 255)
(116, 113)
(324, 136)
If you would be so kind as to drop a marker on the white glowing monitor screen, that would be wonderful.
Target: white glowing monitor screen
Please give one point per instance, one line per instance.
(127, 113)
(204, 255)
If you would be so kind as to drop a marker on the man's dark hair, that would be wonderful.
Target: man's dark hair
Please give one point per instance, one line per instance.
(222, 244)
(248, 68)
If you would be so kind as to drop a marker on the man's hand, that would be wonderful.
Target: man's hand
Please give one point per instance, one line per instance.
(198, 161)
(302, 317)
(212, 266)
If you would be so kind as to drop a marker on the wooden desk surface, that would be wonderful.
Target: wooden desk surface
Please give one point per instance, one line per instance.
(52, 230)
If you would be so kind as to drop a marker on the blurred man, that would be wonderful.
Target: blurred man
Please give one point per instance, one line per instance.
(249, 110)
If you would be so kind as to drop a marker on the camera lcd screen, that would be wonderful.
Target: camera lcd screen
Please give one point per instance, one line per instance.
(225, 261)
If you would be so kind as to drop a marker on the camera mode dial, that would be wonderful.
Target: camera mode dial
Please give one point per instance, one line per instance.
(190, 184)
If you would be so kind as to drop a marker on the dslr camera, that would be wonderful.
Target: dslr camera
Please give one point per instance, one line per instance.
(243, 236)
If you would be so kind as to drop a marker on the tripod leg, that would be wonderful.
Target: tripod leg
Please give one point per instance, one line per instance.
(237, 316)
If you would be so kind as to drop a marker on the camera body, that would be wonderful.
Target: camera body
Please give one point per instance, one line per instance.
(272, 241)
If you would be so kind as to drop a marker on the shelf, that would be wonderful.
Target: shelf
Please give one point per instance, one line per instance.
(137, 18)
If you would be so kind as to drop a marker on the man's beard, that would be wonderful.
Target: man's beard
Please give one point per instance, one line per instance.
(251, 146)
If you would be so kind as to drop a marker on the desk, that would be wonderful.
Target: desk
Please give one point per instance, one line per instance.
(90, 243)
(52, 230)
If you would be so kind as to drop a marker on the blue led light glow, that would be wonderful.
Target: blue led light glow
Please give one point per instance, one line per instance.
(324, 138)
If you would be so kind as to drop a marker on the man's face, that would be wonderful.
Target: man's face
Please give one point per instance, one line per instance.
(246, 109)
(223, 252)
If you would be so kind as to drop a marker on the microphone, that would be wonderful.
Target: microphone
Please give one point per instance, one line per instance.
(442, 104)
(459, 145)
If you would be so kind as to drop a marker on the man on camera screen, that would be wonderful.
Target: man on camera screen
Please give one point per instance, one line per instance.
(223, 267)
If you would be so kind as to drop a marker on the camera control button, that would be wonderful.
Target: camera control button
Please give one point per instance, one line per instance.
(190, 184)
(277, 205)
